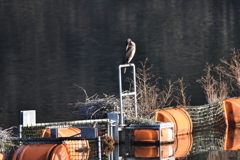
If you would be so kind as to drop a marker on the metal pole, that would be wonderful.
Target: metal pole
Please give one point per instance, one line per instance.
(120, 93)
(135, 90)
(99, 147)
(20, 131)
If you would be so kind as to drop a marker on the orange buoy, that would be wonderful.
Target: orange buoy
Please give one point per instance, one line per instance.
(2, 156)
(183, 145)
(180, 148)
(145, 135)
(62, 132)
(232, 111)
(151, 135)
(232, 139)
(78, 149)
(165, 151)
(146, 151)
(60, 152)
(180, 117)
(42, 152)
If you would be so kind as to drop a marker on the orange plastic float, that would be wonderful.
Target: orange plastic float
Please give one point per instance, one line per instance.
(180, 118)
(78, 149)
(146, 151)
(180, 148)
(232, 111)
(2, 156)
(164, 151)
(145, 135)
(232, 139)
(151, 135)
(183, 145)
(60, 153)
(62, 132)
(42, 152)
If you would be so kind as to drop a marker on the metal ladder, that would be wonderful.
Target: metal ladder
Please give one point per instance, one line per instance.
(127, 94)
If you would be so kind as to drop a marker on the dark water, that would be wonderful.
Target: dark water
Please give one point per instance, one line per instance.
(201, 145)
(47, 46)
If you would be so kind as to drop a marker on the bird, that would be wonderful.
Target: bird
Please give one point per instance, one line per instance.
(129, 53)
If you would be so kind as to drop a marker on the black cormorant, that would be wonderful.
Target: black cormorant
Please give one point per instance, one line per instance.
(130, 51)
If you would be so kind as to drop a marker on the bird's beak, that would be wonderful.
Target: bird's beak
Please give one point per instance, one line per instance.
(129, 41)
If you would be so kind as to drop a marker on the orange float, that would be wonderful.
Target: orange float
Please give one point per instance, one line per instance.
(145, 135)
(151, 135)
(62, 132)
(2, 156)
(60, 153)
(78, 149)
(180, 118)
(232, 111)
(232, 139)
(179, 149)
(183, 145)
(42, 152)
(164, 151)
(146, 151)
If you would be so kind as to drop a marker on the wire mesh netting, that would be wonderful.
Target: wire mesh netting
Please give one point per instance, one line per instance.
(223, 155)
(43, 129)
(207, 140)
(205, 116)
(80, 148)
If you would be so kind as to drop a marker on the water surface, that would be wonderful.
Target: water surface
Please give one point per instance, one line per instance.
(46, 47)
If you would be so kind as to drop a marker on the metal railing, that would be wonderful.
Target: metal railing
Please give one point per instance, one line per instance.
(33, 130)
(134, 93)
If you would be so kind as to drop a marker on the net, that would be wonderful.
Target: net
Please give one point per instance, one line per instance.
(205, 116)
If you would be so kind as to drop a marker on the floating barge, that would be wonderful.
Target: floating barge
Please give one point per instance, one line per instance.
(54, 137)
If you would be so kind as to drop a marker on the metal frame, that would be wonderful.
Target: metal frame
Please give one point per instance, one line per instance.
(28, 119)
(158, 127)
(68, 124)
(130, 93)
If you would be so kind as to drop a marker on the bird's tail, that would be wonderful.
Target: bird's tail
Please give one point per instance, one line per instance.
(124, 70)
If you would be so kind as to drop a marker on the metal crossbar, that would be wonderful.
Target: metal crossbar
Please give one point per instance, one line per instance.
(127, 94)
